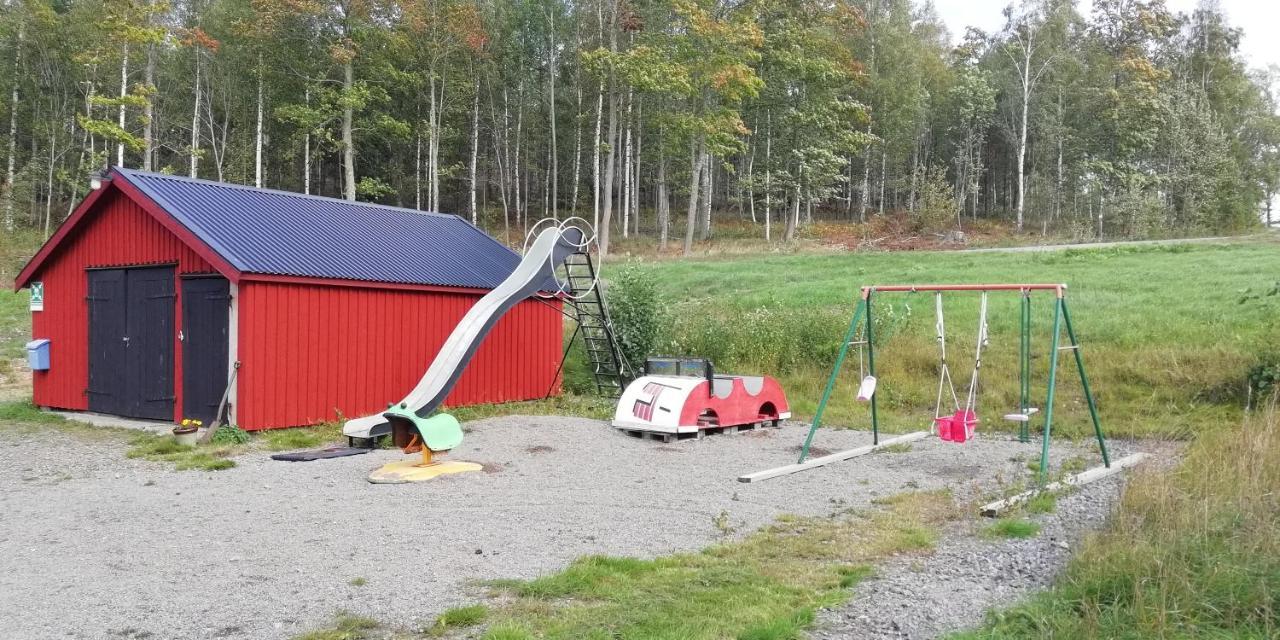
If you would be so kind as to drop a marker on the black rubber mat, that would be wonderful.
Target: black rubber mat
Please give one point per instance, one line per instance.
(320, 454)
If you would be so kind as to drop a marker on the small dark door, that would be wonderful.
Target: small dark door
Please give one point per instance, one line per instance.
(206, 304)
(107, 345)
(131, 318)
(151, 333)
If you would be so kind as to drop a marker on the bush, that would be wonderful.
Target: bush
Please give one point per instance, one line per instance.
(636, 311)
(937, 207)
(230, 434)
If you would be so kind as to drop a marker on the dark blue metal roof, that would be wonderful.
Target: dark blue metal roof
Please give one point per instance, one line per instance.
(282, 233)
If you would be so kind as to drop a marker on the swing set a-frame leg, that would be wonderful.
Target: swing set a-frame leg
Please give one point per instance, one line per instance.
(1084, 383)
(871, 371)
(1024, 360)
(1060, 317)
(1053, 379)
(835, 373)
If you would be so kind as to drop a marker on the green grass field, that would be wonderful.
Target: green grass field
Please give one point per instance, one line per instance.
(1169, 332)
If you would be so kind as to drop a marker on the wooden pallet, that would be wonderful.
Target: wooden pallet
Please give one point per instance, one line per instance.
(666, 437)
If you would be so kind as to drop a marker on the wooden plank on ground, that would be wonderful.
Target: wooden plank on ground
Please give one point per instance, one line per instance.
(828, 459)
(1085, 477)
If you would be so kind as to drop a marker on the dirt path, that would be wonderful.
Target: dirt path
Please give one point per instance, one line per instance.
(1030, 248)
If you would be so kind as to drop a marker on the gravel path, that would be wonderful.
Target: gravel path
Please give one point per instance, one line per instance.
(96, 546)
(952, 589)
(926, 597)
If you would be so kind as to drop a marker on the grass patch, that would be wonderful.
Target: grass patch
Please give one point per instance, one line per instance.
(901, 447)
(1194, 552)
(507, 631)
(27, 413)
(851, 576)
(164, 448)
(1043, 502)
(1012, 528)
(301, 437)
(358, 581)
(459, 617)
(775, 578)
(15, 323)
(345, 627)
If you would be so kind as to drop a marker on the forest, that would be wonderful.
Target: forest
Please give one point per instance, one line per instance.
(658, 119)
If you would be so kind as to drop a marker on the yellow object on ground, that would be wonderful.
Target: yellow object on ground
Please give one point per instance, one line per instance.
(416, 471)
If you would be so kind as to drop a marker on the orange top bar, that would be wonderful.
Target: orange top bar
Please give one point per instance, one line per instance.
(1059, 289)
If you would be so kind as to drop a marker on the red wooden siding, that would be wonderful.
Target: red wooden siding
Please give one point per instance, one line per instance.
(119, 234)
(312, 353)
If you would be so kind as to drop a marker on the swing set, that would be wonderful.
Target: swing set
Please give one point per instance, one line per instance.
(959, 421)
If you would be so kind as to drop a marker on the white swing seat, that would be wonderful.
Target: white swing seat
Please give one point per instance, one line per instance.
(1021, 417)
(867, 389)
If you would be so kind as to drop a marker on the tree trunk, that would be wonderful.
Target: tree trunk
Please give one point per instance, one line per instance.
(626, 172)
(521, 194)
(664, 203)
(883, 175)
(258, 141)
(915, 174)
(697, 155)
(865, 194)
(433, 149)
(13, 129)
(348, 144)
(148, 109)
(306, 147)
(635, 181)
(789, 232)
(1022, 139)
(124, 91)
(551, 99)
(48, 185)
(768, 166)
(577, 151)
(475, 147)
(606, 216)
(707, 191)
(417, 164)
(194, 171)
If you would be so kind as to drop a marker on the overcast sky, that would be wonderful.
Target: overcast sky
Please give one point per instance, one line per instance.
(1261, 45)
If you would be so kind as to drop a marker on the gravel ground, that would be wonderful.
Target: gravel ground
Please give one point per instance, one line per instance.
(952, 589)
(93, 545)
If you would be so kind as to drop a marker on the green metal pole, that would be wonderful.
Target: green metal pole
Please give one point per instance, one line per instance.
(1053, 378)
(1084, 382)
(1024, 348)
(871, 371)
(831, 382)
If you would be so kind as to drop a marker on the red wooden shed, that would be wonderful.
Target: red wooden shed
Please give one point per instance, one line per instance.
(161, 293)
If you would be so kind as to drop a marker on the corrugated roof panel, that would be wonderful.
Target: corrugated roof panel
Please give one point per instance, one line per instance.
(281, 233)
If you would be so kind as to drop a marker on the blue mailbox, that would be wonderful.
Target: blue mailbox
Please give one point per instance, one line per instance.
(38, 354)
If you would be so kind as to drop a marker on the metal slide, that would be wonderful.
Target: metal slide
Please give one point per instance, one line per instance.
(537, 267)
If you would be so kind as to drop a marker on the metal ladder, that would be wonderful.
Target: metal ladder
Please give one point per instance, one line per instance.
(605, 358)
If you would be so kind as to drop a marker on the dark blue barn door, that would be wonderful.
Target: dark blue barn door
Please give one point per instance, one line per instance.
(206, 304)
(131, 331)
(107, 345)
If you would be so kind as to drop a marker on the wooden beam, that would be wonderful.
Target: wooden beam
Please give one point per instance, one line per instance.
(828, 459)
(1092, 475)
